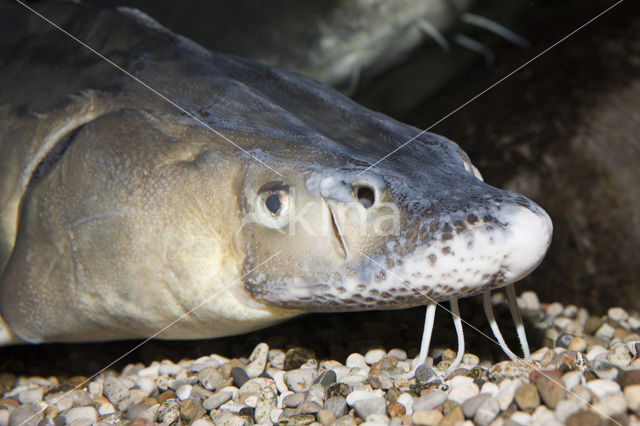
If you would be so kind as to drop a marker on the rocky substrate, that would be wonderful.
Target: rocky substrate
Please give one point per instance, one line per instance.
(587, 373)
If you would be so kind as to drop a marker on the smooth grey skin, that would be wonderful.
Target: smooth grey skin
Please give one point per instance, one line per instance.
(120, 213)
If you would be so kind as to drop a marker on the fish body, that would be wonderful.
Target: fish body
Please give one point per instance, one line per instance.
(186, 184)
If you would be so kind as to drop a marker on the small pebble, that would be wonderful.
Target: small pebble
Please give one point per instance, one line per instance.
(551, 390)
(602, 387)
(399, 354)
(299, 380)
(486, 412)
(528, 300)
(605, 332)
(114, 390)
(374, 355)
(239, 376)
(257, 361)
(471, 405)
(28, 415)
(527, 397)
(337, 406)
(427, 418)
(30, 395)
(424, 373)
(632, 395)
(429, 401)
(617, 314)
(464, 392)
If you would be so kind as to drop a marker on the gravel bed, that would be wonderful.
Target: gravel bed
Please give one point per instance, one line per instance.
(585, 372)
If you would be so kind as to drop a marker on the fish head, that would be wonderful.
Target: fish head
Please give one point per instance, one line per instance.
(329, 232)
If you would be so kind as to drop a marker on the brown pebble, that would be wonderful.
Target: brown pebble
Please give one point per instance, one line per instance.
(51, 411)
(76, 381)
(592, 324)
(551, 390)
(629, 377)
(536, 374)
(168, 394)
(454, 416)
(7, 381)
(386, 364)
(427, 418)
(448, 355)
(392, 394)
(9, 403)
(296, 357)
(620, 333)
(578, 344)
(584, 418)
(449, 406)
(395, 409)
(527, 397)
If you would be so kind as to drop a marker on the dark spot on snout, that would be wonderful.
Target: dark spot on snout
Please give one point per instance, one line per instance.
(472, 218)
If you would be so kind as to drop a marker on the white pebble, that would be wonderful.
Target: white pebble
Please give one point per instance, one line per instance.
(470, 360)
(356, 360)
(30, 395)
(601, 387)
(232, 406)
(521, 418)
(95, 389)
(463, 392)
(183, 392)
(572, 379)
(358, 395)
(374, 355)
(299, 380)
(106, 409)
(605, 332)
(567, 407)
(459, 381)
(529, 300)
(251, 401)
(407, 401)
(4, 416)
(507, 392)
(632, 395)
(570, 311)
(278, 378)
(555, 309)
(202, 422)
(78, 413)
(64, 402)
(353, 379)
(611, 405)
(617, 314)
(490, 388)
(596, 351)
(151, 371)
(400, 354)
(167, 368)
(275, 415)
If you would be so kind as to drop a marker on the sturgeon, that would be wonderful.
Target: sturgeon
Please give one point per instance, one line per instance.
(171, 182)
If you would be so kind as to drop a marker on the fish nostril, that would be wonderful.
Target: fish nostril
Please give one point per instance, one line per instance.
(366, 195)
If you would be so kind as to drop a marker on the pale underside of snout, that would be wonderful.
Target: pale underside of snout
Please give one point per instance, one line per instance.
(457, 255)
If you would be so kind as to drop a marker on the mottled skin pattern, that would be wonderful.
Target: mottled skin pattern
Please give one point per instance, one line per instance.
(119, 213)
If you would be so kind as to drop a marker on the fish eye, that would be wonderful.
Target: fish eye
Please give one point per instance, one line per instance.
(365, 194)
(273, 204)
